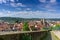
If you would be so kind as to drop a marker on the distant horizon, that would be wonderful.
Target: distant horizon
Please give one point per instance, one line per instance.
(31, 18)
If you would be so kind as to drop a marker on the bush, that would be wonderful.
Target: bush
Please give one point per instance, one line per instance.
(26, 28)
(57, 27)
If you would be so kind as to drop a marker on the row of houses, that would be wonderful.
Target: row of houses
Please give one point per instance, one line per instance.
(32, 25)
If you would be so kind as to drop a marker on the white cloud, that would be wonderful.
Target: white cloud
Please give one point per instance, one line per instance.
(25, 9)
(0, 1)
(4, 1)
(12, 0)
(12, 3)
(17, 0)
(18, 8)
(28, 9)
(20, 4)
(36, 14)
(8, 12)
(42, 1)
(2, 14)
(29, 14)
(50, 7)
(17, 4)
(51, 10)
(52, 1)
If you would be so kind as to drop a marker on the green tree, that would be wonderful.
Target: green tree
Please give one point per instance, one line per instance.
(26, 36)
(26, 28)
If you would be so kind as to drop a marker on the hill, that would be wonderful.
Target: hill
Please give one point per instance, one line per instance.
(13, 19)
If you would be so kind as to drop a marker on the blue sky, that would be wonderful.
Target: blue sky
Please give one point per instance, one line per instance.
(30, 8)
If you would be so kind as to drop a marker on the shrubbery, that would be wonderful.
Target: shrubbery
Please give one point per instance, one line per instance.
(26, 36)
(57, 27)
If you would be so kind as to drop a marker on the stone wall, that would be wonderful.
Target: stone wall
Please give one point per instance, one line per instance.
(43, 35)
